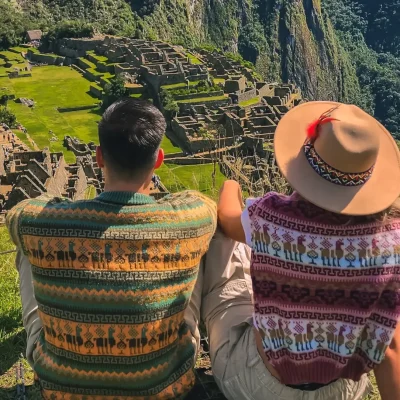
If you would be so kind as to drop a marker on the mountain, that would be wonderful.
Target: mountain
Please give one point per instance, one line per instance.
(370, 33)
(343, 50)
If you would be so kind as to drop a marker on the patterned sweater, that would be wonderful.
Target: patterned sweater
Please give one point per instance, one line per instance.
(112, 277)
(326, 291)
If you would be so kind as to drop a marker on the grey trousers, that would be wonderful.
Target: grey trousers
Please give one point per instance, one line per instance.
(227, 312)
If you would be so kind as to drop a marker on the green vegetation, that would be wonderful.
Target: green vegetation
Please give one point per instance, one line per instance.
(102, 59)
(90, 192)
(180, 85)
(203, 99)
(193, 59)
(51, 87)
(250, 102)
(197, 177)
(370, 33)
(69, 29)
(168, 147)
(169, 104)
(114, 91)
(7, 117)
(200, 87)
(11, 56)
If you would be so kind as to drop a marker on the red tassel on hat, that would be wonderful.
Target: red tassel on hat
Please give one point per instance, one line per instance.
(313, 128)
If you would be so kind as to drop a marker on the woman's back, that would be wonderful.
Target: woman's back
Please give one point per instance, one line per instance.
(326, 288)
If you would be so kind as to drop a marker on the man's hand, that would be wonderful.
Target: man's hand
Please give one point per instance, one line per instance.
(230, 208)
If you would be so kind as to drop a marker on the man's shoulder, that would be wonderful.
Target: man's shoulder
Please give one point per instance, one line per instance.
(32, 209)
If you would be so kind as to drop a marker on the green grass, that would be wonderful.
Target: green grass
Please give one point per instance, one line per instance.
(179, 85)
(197, 177)
(52, 87)
(18, 49)
(168, 147)
(97, 57)
(11, 56)
(90, 192)
(203, 99)
(219, 80)
(88, 64)
(194, 60)
(250, 102)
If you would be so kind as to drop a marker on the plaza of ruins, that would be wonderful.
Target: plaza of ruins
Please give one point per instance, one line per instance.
(224, 115)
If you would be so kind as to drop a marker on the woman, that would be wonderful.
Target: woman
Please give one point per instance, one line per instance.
(325, 266)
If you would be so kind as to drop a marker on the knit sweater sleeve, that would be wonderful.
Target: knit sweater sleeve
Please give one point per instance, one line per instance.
(15, 217)
(211, 207)
(13, 222)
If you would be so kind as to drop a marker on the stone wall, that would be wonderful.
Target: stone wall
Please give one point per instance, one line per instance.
(210, 104)
(188, 161)
(45, 58)
(81, 184)
(248, 94)
(2, 159)
(56, 184)
(38, 170)
(199, 95)
(96, 91)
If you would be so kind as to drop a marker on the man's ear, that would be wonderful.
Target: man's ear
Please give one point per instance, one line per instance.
(160, 159)
(99, 157)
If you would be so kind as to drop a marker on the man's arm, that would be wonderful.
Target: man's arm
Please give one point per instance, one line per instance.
(388, 372)
(230, 208)
(12, 222)
(30, 315)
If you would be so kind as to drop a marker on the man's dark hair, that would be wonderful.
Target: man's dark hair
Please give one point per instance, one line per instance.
(130, 135)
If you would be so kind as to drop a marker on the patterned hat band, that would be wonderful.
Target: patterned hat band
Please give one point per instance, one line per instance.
(332, 174)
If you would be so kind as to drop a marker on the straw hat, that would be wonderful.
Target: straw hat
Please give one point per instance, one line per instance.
(339, 158)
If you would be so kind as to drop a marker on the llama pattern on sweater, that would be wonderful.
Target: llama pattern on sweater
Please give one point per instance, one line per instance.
(113, 277)
(326, 294)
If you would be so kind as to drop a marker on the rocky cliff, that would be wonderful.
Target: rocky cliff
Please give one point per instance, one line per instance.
(292, 41)
(330, 49)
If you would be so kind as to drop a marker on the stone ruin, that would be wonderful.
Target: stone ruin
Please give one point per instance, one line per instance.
(28, 174)
(26, 102)
(86, 159)
(217, 126)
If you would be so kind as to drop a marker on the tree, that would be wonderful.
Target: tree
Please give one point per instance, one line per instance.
(13, 25)
(4, 100)
(114, 91)
(170, 106)
(7, 117)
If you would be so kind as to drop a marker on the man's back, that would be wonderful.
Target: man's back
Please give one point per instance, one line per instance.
(113, 277)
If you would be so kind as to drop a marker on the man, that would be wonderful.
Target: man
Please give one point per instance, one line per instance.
(113, 276)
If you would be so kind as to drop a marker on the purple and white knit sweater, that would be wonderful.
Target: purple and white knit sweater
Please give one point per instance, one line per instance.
(326, 292)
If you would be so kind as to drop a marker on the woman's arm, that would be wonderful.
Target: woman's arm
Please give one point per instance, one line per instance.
(388, 372)
(230, 208)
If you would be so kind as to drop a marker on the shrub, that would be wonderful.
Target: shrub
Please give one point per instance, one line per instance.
(7, 117)
(114, 91)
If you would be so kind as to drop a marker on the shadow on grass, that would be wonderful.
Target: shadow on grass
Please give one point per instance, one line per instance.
(96, 111)
(92, 95)
(11, 349)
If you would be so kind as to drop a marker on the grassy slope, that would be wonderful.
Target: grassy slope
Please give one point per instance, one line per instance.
(51, 87)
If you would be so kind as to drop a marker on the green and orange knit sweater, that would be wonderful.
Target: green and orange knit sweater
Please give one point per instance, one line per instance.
(112, 277)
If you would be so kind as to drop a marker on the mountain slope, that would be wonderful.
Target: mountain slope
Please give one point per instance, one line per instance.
(330, 49)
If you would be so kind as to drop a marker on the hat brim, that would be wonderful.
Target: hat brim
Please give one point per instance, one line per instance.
(376, 195)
